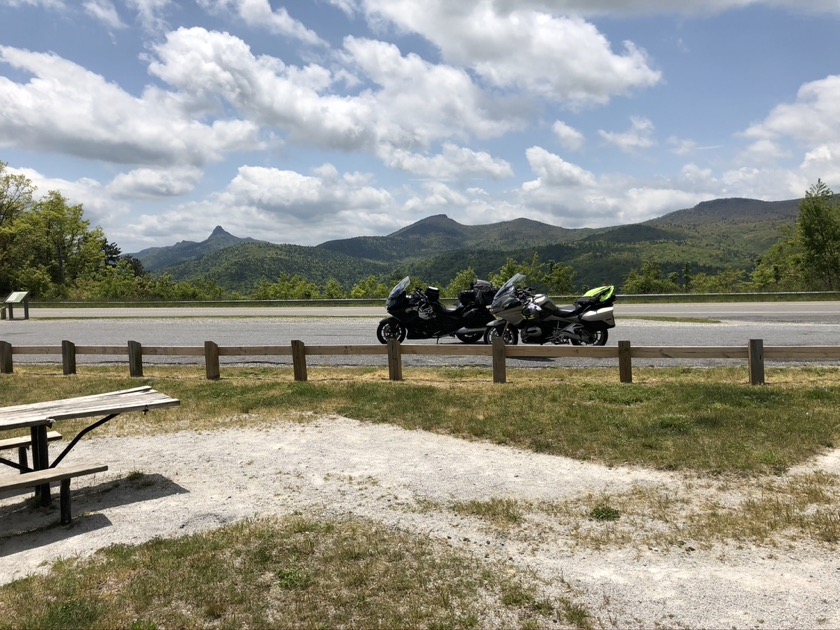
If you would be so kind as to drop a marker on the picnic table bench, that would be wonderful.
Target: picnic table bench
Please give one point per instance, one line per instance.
(38, 417)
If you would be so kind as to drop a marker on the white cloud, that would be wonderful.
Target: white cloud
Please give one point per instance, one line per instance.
(155, 183)
(639, 136)
(566, 194)
(596, 8)
(67, 109)
(150, 13)
(419, 102)
(569, 137)
(438, 197)
(554, 171)
(453, 163)
(105, 12)
(259, 14)
(808, 128)
(560, 58)
(814, 116)
(285, 192)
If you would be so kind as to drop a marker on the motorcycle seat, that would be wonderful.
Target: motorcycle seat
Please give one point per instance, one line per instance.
(567, 311)
(444, 310)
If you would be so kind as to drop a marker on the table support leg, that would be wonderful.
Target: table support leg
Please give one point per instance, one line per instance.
(41, 460)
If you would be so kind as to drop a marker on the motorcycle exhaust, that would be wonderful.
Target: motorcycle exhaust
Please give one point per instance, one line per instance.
(466, 331)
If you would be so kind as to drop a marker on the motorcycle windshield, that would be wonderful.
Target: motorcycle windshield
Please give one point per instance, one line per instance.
(398, 291)
(506, 293)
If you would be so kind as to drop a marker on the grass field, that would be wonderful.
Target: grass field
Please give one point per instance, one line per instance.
(303, 572)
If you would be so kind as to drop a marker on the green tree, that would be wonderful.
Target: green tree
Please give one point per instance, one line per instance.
(727, 281)
(333, 290)
(819, 231)
(508, 270)
(781, 268)
(649, 280)
(287, 288)
(463, 281)
(687, 277)
(15, 195)
(370, 287)
(50, 247)
(560, 279)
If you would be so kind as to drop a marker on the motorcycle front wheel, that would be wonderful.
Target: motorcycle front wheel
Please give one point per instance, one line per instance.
(469, 337)
(390, 329)
(509, 335)
(592, 338)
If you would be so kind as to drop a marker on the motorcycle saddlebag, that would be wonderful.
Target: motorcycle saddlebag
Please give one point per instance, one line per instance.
(484, 292)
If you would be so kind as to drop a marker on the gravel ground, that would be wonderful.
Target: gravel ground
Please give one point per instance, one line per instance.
(336, 466)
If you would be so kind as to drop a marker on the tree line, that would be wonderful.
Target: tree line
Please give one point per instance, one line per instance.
(48, 248)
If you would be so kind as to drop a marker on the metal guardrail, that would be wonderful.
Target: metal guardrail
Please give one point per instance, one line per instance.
(754, 353)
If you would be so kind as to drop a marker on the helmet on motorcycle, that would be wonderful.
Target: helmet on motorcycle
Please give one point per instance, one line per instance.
(531, 311)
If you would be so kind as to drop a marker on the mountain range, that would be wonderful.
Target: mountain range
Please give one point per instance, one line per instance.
(712, 236)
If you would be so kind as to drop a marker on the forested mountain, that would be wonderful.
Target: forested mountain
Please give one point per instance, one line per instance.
(429, 237)
(724, 234)
(241, 266)
(160, 259)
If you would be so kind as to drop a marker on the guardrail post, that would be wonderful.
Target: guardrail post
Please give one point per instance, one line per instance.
(499, 366)
(211, 361)
(68, 357)
(5, 357)
(135, 358)
(299, 360)
(756, 355)
(625, 362)
(394, 360)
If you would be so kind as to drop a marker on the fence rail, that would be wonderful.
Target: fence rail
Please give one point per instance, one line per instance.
(755, 353)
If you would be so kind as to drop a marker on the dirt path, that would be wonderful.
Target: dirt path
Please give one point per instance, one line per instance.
(197, 481)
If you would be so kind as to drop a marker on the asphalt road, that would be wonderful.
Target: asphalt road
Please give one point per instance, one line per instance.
(706, 324)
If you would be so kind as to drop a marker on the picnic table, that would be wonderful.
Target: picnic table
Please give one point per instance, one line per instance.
(39, 417)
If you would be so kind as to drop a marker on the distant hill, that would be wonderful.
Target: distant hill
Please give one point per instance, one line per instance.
(712, 236)
(438, 233)
(161, 259)
(243, 265)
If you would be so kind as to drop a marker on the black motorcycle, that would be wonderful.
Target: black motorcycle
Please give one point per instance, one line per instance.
(420, 314)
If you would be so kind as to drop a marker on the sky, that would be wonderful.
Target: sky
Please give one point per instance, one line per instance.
(311, 120)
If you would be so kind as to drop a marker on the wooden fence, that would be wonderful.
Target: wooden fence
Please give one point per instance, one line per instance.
(754, 353)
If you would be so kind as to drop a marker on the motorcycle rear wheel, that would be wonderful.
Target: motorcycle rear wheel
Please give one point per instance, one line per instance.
(390, 329)
(470, 337)
(510, 335)
(596, 338)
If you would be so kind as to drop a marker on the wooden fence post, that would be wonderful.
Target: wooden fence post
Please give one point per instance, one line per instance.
(625, 362)
(299, 360)
(135, 358)
(68, 357)
(499, 366)
(5, 357)
(756, 355)
(394, 360)
(211, 361)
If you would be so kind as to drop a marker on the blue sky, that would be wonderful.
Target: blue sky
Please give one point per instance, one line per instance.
(306, 121)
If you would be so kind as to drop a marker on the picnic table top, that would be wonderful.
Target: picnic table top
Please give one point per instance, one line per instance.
(135, 399)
